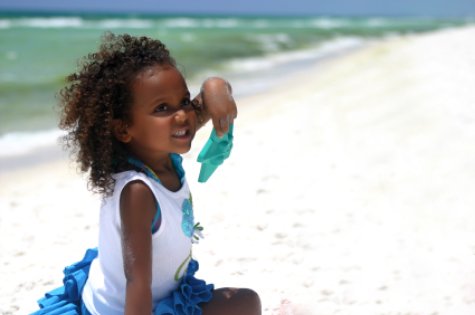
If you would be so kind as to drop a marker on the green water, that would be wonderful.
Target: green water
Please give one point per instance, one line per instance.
(37, 52)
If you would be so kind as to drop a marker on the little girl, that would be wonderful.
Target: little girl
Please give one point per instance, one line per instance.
(129, 116)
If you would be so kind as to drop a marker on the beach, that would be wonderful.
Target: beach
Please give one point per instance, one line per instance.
(349, 190)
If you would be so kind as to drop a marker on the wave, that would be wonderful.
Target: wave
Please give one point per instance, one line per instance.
(271, 42)
(201, 23)
(40, 22)
(5, 23)
(328, 23)
(75, 22)
(374, 22)
(122, 23)
(180, 23)
(321, 23)
(20, 143)
(112, 23)
(326, 49)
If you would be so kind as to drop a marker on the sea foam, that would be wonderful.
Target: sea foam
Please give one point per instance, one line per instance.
(20, 143)
(326, 49)
(46, 22)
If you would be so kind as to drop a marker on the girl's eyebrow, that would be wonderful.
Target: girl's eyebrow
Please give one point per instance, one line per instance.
(187, 95)
(156, 100)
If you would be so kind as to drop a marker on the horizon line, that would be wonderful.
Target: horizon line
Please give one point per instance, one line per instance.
(108, 13)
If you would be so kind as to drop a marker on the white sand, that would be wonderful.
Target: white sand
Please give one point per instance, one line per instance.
(350, 190)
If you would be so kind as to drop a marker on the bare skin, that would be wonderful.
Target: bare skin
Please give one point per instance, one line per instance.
(233, 301)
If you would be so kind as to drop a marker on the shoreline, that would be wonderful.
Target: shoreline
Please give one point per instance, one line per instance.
(39, 156)
(349, 190)
(270, 78)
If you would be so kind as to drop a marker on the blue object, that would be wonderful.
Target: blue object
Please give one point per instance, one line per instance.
(187, 221)
(66, 300)
(213, 154)
(186, 299)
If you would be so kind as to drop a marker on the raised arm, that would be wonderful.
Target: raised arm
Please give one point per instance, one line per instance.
(216, 102)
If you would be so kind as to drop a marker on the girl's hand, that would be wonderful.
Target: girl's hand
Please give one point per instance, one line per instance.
(216, 102)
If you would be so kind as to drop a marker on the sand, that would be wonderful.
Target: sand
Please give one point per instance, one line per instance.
(349, 191)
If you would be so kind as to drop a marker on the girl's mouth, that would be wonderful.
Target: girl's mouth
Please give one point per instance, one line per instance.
(181, 134)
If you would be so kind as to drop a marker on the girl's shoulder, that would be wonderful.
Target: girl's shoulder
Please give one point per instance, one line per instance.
(128, 175)
(123, 178)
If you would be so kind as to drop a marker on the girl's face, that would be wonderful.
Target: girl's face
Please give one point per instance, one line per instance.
(162, 116)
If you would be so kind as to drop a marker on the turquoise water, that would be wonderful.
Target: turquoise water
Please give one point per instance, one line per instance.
(37, 52)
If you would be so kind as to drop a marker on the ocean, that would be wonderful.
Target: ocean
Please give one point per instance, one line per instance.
(38, 51)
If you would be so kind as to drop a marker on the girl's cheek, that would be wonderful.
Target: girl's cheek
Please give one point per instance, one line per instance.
(193, 117)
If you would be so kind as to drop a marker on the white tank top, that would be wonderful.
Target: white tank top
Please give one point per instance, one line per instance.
(104, 292)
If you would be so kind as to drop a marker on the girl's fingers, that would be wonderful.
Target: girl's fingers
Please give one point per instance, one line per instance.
(217, 126)
(223, 124)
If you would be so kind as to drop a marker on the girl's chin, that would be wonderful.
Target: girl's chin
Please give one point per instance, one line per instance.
(183, 148)
(182, 151)
(183, 144)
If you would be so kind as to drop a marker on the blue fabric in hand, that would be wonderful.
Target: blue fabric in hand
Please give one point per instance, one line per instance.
(215, 151)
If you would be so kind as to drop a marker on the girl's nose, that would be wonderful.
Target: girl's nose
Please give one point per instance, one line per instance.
(181, 116)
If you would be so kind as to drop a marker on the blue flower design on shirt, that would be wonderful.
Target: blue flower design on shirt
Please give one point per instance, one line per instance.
(187, 220)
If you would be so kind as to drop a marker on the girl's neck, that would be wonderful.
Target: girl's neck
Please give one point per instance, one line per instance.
(162, 170)
(159, 164)
(161, 167)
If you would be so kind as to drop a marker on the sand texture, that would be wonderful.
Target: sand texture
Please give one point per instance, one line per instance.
(350, 190)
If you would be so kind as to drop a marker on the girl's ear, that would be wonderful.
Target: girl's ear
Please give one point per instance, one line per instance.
(120, 131)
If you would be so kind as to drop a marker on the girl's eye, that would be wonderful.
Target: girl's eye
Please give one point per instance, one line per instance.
(186, 103)
(161, 108)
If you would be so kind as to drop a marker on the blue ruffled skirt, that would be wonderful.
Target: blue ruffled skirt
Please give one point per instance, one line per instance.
(66, 300)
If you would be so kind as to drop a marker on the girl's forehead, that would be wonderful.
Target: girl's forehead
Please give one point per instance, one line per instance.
(158, 73)
(153, 70)
(157, 80)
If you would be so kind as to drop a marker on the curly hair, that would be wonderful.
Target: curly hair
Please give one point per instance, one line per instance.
(99, 93)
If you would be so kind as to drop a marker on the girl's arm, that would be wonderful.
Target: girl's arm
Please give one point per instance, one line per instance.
(216, 102)
(137, 208)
